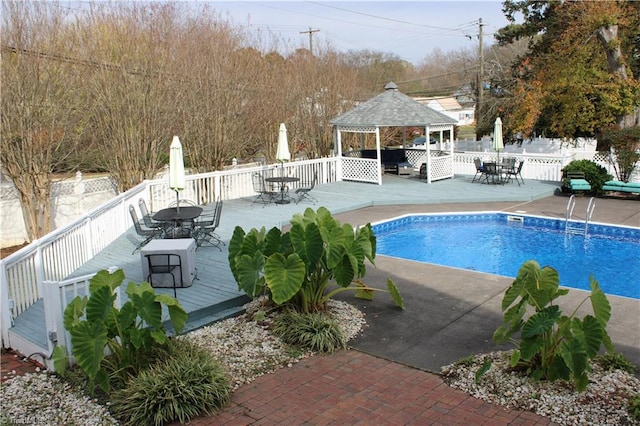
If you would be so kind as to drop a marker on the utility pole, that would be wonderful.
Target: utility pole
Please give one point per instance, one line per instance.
(479, 84)
(310, 32)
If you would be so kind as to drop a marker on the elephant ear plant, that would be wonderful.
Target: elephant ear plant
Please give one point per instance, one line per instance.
(298, 267)
(109, 344)
(551, 345)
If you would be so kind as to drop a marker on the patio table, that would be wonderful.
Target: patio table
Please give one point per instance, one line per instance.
(176, 219)
(283, 181)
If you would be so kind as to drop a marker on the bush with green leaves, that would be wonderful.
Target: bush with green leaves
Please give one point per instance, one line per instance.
(551, 345)
(634, 407)
(615, 361)
(184, 383)
(594, 173)
(623, 149)
(129, 335)
(314, 331)
(297, 267)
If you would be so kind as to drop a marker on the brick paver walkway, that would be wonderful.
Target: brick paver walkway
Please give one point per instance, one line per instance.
(345, 388)
(353, 388)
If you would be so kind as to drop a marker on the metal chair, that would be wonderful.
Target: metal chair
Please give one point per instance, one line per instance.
(304, 192)
(164, 264)
(515, 172)
(260, 187)
(204, 232)
(479, 170)
(183, 202)
(146, 216)
(490, 170)
(148, 233)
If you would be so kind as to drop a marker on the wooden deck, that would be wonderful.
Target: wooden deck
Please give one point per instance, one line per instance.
(214, 295)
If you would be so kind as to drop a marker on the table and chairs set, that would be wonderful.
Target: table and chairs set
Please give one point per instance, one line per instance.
(494, 173)
(171, 237)
(275, 189)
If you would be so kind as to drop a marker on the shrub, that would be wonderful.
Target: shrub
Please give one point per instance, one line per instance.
(313, 331)
(634, 407)
(128, 335)
(188, 382)
(595, 174)
(615, 361)
(551, 345)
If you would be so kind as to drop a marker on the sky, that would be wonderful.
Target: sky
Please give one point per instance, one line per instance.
(410, 29)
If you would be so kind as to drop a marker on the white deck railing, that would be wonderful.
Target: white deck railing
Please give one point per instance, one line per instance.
(55, 256)
(57, 295)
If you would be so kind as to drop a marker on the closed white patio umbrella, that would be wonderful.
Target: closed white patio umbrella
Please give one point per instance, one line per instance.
(282, 151)
(177, 179)
(498, 144)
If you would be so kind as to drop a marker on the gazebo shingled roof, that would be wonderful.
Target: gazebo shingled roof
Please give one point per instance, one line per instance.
(392, 108)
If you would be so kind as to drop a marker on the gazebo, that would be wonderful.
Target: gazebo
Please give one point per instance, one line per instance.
(392, 109)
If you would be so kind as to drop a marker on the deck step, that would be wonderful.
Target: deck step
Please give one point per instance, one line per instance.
(211, 314)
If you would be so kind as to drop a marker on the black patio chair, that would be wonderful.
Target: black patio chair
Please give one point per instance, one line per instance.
(265, 195)
(305, 191)
(148, 233)
(147, 218)
(490, 171)
(479, 170)
(515, 172)
(183, 202)
(164, 264)
(204, 228)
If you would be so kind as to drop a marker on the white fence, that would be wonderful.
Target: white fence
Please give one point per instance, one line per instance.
(57, 295)
(69, 200)
(55, 256)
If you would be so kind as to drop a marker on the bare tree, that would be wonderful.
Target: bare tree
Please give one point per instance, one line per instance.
(131, 92)
(41, 123)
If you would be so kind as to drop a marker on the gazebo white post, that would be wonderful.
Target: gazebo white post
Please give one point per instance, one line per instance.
(337, 137)
(451, 149)
(427, 144)
(379, 155)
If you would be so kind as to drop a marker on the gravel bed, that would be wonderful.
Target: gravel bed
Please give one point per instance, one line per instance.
(604, 402)
(245, 348)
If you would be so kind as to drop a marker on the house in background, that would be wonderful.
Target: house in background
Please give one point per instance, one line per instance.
(448, 105)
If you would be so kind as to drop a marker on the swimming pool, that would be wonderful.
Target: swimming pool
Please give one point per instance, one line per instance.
(499, 243)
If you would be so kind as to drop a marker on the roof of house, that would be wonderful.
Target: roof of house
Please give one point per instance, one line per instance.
(392, 108)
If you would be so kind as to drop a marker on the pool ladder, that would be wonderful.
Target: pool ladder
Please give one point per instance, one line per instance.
(574, 227)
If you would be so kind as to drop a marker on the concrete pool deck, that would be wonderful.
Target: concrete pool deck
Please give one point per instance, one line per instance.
(452, 313)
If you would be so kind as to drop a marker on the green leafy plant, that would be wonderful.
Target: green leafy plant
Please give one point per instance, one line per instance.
(314, 331)
(297, 267)
(634, 407)
(551, 345)
(615, 361)
(128, 335)
(184, 384)
(594, 173)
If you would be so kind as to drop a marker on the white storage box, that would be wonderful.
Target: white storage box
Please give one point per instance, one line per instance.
(183, 247)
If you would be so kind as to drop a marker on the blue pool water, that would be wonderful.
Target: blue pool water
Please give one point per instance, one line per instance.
(496, 243)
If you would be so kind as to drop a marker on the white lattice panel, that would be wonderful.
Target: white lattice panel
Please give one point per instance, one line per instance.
(416, 157)
(441, 167)
(357, 129)
(360, 169)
